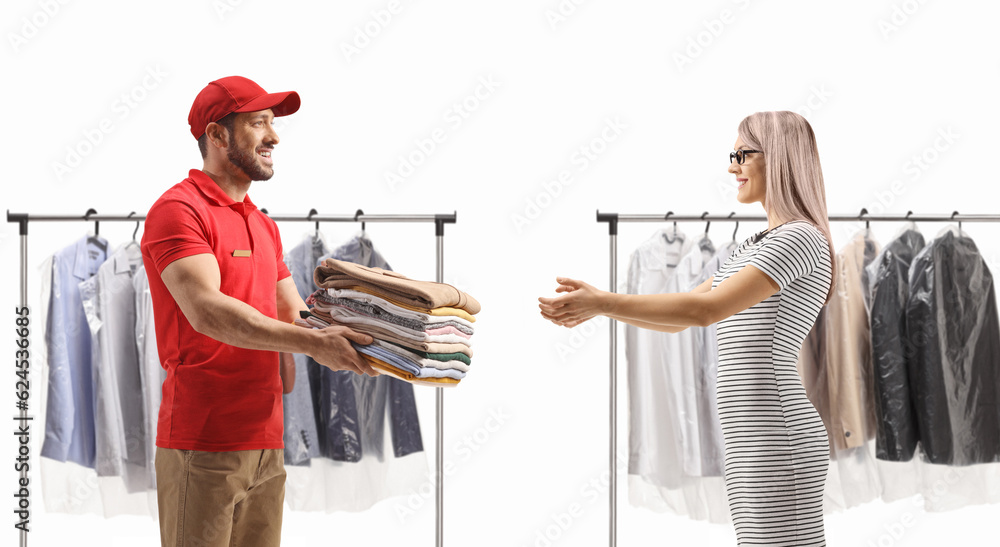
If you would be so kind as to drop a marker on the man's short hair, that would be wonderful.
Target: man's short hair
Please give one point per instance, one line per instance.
(228, 121)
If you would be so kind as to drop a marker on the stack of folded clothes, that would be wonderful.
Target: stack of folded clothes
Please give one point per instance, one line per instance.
(422, 330)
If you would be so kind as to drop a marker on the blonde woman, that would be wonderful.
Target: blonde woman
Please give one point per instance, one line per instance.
(765, 299)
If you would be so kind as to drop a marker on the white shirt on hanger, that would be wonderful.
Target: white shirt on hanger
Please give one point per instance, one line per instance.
(151, 373)
(109, 302)
(657, 430)
(676, 450)
(706, 367)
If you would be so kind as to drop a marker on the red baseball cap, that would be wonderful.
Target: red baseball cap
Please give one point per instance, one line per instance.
(236, 94)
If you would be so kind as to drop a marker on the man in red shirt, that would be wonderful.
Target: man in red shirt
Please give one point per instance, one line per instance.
(224, 303)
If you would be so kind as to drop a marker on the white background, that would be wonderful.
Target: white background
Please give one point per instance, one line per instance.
(878, 80)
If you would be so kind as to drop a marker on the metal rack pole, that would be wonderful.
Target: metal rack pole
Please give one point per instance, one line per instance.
(23, 414)
(613, 398)
(439, 221)
(439, 403)
(614, 218)
(864, 216)
(448, 218)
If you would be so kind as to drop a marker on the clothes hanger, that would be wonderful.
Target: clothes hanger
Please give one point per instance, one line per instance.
(907, 226)
(867, 232)
(868, 242)
(134, 232)
(673, 236)
(363, 234)
(737, 226)
(957, 230)
(864, 211)
(316, 234)
(358, 213)
(96, 239)
(705, 244)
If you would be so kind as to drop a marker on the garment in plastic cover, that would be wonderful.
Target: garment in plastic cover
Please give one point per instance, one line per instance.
(896, 435)
(909, 275)
(954, 341)
(339, 461)
(300, 407)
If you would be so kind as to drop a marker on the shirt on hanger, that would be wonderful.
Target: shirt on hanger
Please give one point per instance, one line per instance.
(69, 417)
(109, 301)
(706, 357)
(665, 485)
(657, 413)
(151, 374)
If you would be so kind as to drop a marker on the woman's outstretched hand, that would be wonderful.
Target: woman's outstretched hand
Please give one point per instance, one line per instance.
(580, 303)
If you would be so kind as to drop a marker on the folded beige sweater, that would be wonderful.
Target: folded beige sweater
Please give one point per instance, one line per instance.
(337, 274)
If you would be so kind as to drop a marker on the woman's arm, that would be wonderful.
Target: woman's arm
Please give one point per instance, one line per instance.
(648, 326)
(700, 307)
(703, 288)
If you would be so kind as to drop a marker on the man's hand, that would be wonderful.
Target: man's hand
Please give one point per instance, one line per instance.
(194, 282)
(333, 349)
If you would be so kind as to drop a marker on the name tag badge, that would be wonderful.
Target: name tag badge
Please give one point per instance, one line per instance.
(239, 253)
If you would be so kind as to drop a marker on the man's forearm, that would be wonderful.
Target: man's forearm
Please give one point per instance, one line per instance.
(236, 323)
(670, 309)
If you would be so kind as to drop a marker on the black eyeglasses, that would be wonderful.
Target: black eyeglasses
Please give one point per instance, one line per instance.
(741, 155)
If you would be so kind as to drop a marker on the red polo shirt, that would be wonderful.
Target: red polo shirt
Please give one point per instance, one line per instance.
(216, 397)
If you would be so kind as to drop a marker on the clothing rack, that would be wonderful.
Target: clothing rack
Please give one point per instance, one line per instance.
(614, 218)
(439, 220)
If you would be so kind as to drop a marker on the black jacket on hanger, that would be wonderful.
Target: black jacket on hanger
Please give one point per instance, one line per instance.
(954, 335)
(896, 432)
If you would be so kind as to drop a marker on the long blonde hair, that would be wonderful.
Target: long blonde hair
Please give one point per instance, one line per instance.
(794, 179)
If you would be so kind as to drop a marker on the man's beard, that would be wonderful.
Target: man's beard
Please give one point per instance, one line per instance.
(247, 162)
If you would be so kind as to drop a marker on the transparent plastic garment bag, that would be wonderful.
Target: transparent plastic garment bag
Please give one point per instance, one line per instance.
(951, 348)
(909, 373)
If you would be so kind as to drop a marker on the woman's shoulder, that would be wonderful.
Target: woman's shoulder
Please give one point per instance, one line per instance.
(800, 227)
(799, 233)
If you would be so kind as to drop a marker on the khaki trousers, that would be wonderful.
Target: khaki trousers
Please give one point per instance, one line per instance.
(220, 499)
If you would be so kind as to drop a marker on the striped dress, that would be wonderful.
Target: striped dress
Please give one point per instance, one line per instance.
(777, 452)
